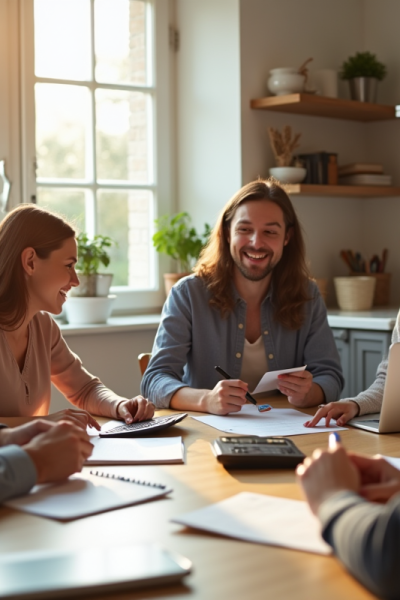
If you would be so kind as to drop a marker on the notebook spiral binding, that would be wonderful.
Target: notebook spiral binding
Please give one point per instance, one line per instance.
(159, 486)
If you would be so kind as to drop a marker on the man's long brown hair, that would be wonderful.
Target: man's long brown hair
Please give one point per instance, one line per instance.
(290, 277)
(27, 226)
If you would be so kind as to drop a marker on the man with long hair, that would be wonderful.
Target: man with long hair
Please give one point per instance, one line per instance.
(250, 307)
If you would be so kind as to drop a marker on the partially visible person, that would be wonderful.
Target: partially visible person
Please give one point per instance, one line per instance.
(38, 253)
(40, 452)
(250, 307)
(366, 402)
(343, 491)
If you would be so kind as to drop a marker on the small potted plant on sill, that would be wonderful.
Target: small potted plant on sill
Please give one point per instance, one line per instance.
(283, 145)
(176, 238)
(91, 302)
(363, 72)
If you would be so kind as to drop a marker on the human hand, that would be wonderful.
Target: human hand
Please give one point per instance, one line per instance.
(340, 411)
(326, 473)
(59, 451)
(135, 409)
(81, 418)
(23, 433)
(229, 395)
(379, 479)
(295, 386)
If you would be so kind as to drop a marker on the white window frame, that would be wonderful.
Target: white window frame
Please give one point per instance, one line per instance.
(163, 185)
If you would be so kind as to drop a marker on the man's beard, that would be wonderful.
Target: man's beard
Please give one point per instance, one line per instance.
(254, 275)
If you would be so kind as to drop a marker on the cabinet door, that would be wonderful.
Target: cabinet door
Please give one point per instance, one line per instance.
(367, 348)
(341, 340)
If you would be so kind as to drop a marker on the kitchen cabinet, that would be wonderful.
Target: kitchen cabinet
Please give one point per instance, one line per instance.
(360, 353)
(335, 108)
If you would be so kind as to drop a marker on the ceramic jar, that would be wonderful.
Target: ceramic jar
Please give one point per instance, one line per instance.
(285, 81)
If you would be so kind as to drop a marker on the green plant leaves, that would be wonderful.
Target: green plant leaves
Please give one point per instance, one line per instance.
(363, 64)
(93, 253)
(176, 238)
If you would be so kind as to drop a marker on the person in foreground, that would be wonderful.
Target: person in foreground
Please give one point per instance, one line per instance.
(357, 500)
(38, 253)
(250, 307)
(40, 452)
(366, 402)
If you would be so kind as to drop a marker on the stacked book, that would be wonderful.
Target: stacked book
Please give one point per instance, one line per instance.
(363, 174)
(321, 167)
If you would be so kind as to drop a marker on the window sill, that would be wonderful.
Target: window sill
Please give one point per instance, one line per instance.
(114, 324)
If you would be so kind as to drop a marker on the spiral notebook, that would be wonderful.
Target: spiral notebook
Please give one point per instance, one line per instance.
(86, 494)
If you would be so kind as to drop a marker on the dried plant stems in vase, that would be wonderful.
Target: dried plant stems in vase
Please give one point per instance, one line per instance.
(283, 146)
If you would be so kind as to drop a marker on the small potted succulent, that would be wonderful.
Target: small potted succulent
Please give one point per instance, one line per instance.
(363, 72)
(91, 302)
(176, 238)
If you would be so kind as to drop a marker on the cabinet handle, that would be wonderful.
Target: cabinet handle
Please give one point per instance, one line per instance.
(341, 334)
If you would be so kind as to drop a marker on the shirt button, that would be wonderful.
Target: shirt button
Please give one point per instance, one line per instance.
(240, 325)
(238, 355)
(266, 332)
(271, 356)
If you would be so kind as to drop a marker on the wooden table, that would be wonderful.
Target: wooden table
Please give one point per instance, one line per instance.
(223, 569)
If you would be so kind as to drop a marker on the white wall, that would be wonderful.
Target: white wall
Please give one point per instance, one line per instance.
(277, 33)
(208, 106)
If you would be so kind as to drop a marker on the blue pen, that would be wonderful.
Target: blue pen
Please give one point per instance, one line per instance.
(334, 440)
(249, 397)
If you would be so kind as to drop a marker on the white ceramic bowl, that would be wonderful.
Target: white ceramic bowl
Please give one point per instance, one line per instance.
(285, 81)
(288, 174)
(83, 310)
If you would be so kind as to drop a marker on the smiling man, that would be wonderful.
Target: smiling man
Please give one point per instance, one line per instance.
(250, 307)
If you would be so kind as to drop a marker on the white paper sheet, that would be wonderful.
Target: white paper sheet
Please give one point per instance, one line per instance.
(278, 421)
(261, 519)
(269, 381)
(136, 451)
(393, 460)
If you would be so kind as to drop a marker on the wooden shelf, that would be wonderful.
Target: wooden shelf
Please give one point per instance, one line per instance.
(367, 191)
(322, 106)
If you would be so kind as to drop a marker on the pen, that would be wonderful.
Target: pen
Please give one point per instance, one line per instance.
(334, 440)
(249, 397)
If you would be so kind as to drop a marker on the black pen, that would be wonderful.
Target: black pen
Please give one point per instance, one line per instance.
(249, 397)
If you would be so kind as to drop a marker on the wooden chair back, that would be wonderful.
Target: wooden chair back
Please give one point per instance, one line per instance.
(144, 360)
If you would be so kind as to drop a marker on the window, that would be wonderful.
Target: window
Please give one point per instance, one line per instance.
(90, 116)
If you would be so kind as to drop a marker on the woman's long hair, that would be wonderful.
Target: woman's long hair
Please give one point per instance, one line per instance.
(290, 276)
(27, 226)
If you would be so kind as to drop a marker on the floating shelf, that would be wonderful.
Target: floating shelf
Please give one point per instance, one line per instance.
(371, 191)
(322, 106)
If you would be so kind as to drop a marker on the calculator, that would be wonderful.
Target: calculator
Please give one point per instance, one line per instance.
(148, 427)
(253, 452)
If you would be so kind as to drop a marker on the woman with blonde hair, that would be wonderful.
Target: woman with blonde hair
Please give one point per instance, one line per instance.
(38, 253)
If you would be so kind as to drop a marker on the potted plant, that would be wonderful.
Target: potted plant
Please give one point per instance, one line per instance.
(176, 238)
(91, 302)
(283, 146)
(363, 71)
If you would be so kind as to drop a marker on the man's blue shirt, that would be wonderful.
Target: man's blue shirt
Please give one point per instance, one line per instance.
(193, 338)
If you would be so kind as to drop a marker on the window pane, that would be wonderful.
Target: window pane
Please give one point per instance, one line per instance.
(122, 135)
(127, 216)
(62, 39)
(120, 41)
(62, 130)
(68, 203)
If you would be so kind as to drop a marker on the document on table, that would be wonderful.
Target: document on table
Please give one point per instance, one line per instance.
(393, 460)
(136, 451)
(278, 421)
(269, 381)
(261, 519)
(82, 495)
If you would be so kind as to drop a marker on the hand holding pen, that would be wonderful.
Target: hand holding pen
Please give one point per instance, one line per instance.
(327, 472)
(248, 396)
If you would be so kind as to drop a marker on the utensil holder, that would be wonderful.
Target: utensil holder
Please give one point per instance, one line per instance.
(382, 287)
(355, 293)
